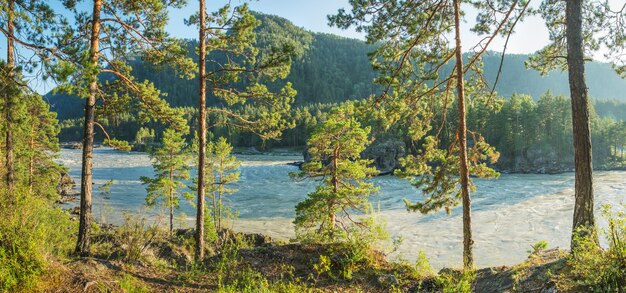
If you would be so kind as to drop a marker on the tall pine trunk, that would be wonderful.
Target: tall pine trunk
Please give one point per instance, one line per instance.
(9, 160)
(199, 253)
(468, 243)
(31, 159)
(171, 194)
(583, 207)
(84, 230)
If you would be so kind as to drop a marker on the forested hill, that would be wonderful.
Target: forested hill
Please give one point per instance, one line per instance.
(334, 68)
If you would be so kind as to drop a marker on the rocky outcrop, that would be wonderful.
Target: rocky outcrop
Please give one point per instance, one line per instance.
(66, 188)
(540, 159)
(385, 154)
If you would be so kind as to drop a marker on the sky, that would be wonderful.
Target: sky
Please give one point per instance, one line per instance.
(530, 35)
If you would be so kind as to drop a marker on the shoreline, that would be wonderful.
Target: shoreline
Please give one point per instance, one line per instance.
(296, 151)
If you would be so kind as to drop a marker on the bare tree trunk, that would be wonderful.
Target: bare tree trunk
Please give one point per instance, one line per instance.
(171, 200)
(583, 207)
(468, 242)
(199, 254)
(31, 161)
(9, 162)
(84, 229)
(214, 199)
(335, 181)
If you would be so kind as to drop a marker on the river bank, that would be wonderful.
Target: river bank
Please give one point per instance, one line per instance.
(249, 263)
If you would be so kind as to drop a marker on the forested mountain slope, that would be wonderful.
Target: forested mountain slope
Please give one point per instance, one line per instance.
(335, 69)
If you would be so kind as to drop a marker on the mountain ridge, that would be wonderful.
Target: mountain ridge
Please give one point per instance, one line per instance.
(336, 68)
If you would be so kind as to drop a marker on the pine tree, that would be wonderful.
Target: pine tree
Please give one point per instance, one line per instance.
(225, 166)
(25, 22)
(413, 48)
(171, 165)
(117, 31)
(35, 144)
(37, 147)
(233, 72)
(328, 213)
(578, 28)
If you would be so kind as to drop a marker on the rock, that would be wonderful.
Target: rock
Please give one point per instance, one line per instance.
(185, 233)
(306, 155)
(387, 281)
(257, 239)
(139, 147)
(71, 145)
(297, 164)
(386, 154)
(65, 188)
(175, 254)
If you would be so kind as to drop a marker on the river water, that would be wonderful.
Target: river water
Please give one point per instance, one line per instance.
(509, 213)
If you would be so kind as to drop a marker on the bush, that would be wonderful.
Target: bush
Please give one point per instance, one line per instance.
(136, 236)
(31, 232)
(455, 282)
(593, 268)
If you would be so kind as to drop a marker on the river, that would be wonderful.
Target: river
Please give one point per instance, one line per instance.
(509, 213)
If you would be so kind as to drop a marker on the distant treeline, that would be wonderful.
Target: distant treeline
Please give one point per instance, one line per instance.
(530, 135)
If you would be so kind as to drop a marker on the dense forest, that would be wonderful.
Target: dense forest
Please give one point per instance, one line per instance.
(332, 70)
(412, 101)
(335, 69)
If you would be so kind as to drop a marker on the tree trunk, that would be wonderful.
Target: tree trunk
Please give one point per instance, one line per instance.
(199, 253)
(84, 230)
(335, 181)
(468, 243)
(31, 161)
(171, 199)
(583, 206)
(9, 162)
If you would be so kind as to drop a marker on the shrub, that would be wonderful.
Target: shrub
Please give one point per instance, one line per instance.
(135, 236)
(593, 268)
(455, 282)
(31, 232)
(538, 247)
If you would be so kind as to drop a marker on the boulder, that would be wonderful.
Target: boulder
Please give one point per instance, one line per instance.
(386, 154)
(65, 187)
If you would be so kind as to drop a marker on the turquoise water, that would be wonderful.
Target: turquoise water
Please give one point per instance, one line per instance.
(509, 213)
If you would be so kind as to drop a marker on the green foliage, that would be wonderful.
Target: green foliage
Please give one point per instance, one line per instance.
(237, 73)
(120, 145)
(144, 136)
(35, 142)
(593, 268)
(234, 276)
(601, 30)
(349, 257)
(221, 172)
(171, 165)
(539, 246)
(105, 189)
(139, 34)
(455, 282)
(129, 284)
(422, 266)
(32, 232)
(225, 166)
(135, 236)
(335, 147)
